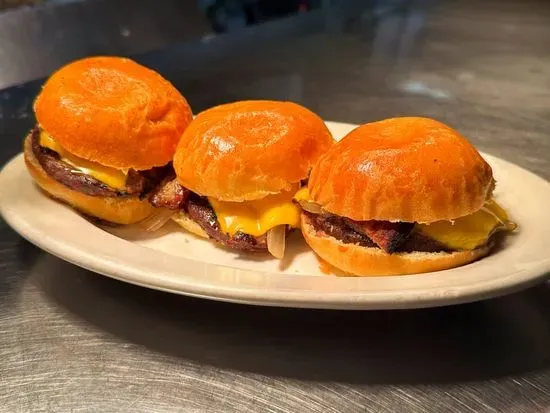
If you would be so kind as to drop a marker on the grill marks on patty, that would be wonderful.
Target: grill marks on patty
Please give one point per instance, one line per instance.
(137, 182)
(399, 237)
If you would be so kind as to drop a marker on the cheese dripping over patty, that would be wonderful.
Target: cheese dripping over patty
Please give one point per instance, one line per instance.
(257, 217)
(115, 178)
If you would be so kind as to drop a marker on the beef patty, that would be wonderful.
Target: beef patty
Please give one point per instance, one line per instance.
(137, 182)
(171, 195)
(387, 235)
(347, 231)
(200, 211)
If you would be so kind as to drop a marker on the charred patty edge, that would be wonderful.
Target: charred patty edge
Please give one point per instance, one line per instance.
(338, 228)
(199, 210)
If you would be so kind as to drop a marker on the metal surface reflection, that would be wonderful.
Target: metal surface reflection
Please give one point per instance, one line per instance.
(463, 343)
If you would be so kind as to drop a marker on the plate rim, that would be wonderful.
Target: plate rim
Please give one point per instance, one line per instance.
(436, 296)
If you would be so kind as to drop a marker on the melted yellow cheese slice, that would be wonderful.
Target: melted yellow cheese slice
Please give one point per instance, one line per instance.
(302, 195)
(471, 231)
(115, 178)
(258, 216)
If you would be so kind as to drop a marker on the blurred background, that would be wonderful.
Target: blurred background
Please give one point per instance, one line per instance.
(481, 66)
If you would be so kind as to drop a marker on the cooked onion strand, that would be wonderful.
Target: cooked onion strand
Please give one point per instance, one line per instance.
(276, 240)
(311, 207)
(507, 225)
(156, 220)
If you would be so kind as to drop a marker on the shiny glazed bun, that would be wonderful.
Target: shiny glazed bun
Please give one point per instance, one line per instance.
(113, 111)
(247, 150)
(357, 260)
(402, 169)
(117, 210)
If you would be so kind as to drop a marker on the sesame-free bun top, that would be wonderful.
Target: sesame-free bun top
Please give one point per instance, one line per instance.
(113, 111)
(246, 150)
(402, 169)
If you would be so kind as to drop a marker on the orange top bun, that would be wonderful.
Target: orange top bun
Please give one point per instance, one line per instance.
(246, 150)
(402, 169)
(113, 111)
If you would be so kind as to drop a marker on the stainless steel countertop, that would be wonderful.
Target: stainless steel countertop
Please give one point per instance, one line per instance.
(71, 340)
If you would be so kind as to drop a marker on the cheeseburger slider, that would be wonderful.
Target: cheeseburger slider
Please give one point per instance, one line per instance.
(106, 131)
(238, 167)
(401, 196)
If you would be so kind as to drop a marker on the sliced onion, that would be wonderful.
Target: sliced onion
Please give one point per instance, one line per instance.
(156, 220)
(311, 207)
(276, 240)
(508, 225)
(495, 216)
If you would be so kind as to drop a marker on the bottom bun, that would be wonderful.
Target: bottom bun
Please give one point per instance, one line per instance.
(188, 224)
(364, 261)
(123, 210)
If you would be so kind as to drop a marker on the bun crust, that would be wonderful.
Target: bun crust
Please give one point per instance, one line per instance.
(127, 210)
(360, 261)
(402, 169)
(246, 150)
(113, 111)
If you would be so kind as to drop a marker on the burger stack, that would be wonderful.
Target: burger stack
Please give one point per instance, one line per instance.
(118, 143)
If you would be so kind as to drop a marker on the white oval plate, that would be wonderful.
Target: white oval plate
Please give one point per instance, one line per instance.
(171, 260)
